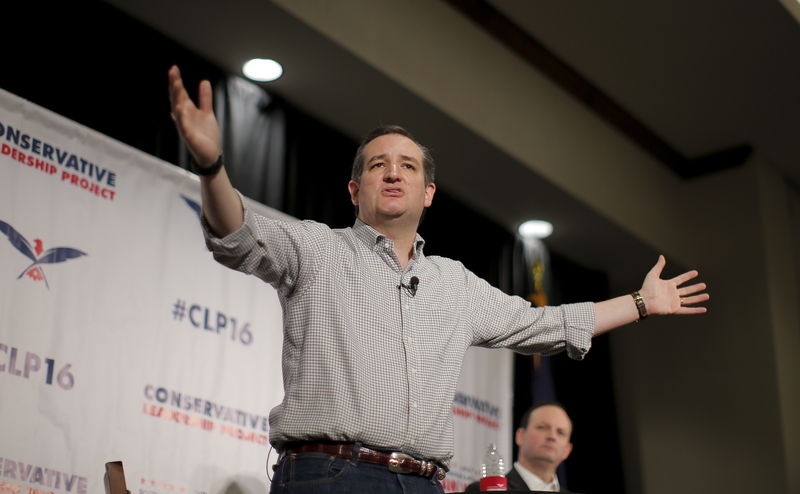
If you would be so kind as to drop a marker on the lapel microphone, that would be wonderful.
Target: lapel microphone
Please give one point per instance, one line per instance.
(411, 288)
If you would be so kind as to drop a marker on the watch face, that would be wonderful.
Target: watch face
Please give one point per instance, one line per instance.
(637, 298)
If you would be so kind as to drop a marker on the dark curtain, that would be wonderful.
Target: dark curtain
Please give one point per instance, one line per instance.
(253, 130)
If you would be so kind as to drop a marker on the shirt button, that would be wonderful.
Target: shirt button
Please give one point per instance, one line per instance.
(413, 371)
(413, 404)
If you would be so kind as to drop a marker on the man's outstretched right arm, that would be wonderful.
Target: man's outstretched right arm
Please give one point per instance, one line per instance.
(199, 130)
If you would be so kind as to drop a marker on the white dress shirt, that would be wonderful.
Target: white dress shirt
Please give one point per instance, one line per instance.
(534, 482)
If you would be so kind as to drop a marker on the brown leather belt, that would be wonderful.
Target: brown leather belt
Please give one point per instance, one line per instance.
(395, 462)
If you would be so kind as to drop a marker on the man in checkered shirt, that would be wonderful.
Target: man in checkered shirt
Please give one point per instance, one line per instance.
(374, 330)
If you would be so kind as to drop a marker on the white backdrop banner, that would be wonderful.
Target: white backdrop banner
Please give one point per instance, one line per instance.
(122, 339)
(482, 409)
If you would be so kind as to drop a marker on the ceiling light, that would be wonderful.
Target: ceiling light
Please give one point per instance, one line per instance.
(535, 229)
(262, 69)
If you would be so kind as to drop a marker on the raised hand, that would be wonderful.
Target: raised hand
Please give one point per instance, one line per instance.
(197, 125)
(668, 296)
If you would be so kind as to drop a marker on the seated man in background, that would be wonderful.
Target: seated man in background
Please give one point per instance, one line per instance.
(543, 438)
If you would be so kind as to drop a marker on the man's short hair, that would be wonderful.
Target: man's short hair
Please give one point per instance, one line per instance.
(526, 417)
(428, 165)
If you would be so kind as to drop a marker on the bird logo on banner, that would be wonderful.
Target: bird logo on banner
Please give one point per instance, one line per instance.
(193, 204)
(37, 254)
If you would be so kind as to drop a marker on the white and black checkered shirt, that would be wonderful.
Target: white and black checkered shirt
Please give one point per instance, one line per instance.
(363, 359)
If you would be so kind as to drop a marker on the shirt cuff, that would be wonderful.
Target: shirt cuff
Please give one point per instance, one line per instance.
(239, 242)
(579, 320)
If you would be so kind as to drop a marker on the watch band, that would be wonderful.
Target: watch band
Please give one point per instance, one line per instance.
(211, 170)
(637, 298)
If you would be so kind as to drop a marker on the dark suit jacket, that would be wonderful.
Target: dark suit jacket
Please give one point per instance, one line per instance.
(515, 483)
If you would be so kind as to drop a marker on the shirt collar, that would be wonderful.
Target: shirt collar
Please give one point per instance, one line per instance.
(372, 237)
(534, 482)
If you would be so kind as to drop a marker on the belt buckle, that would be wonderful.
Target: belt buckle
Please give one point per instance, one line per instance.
(396, 462)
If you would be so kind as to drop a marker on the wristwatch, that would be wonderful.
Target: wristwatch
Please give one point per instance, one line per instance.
(211, 170)
(639, 305)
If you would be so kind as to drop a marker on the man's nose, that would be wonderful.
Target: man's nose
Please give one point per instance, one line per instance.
(392, 172)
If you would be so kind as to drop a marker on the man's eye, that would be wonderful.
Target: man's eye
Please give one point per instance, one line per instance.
(376, 165)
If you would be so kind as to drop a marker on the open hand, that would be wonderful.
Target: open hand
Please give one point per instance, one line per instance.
(197, 125)
(668, 296)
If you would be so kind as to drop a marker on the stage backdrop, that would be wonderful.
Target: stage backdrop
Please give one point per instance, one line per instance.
(122, 339)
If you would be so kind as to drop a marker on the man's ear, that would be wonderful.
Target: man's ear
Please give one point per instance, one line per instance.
(518, 436)
(430, 189)
(353, 187)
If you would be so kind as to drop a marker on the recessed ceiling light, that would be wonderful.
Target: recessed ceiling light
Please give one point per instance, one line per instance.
(535, 229)
(262, 69)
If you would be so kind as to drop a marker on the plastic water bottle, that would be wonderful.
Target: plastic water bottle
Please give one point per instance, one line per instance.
(493, 471)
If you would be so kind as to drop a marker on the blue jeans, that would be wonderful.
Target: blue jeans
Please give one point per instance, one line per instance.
(308, 473)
